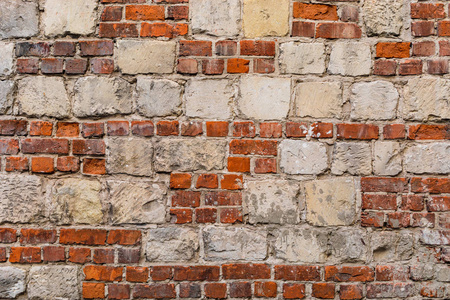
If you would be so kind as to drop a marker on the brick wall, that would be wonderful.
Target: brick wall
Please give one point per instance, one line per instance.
(224, 149)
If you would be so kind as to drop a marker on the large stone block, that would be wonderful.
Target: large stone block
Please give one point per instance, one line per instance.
(302, 58)
(171, 244)
(331, 202)
(427, 99)
(391, 246)
(216, 17)
(383, 17)
(209, 99)
(19, 19)
(131, 156)
(428, 158)
(234, 243)
(319, 100)
(53, 282)
(272, 202)
(350, 58)
(6, 95)
(265, 18)
(157, 97)
(302, 157)
(375, 100)
(12, 282)
(7, 55)
(265, 98)
(75, 200)
(20, 199)
(348, 245)
(353, 158)
(189, 155)
(143, 57)
(387, 158)
(43, 96)
(102, 96)
(137, 202)
(69, 17)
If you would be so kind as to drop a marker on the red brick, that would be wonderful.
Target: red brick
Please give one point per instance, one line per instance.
(137, 274)
(117, 128)
(321, 130)
(186, 199)
(216, 290)
(89, 237)
(230, 215)
(232, 182)
(112, 13)
(437, 66)
(315, 11)
(93, 130)
(293, 291)
(206, 215)
(347, 273)
(144, 12)
(103, 256)
(102, 65)
(207, 181)
(63, 48)
(244, 129)
(94, 166)
(27, 65)
(223, 198)
(254, 147)
(53, 254)
(267, 289)
(41, 128)
(323, 290)
(393, 50)
(238, 65)
(338, 31)
(381, 184)
(112, 30)
(128, 256)
(217, 129)
(13, 127)
(428, 132)
(240, 289)
(163, 30)
(67, 164)
(305, 29)
(265, 165)
(187, 66)
(93, 290)
(43, 165)
(444, 48)
(357, 131)
(51, 146)
(424, 220)
(297, 273)
(427, 11)
(372, 219)
(398, 219)
(40, 49)
(103, 273)
(191, 128)
(76, 66)
(426, 48)
(16, 164)
(263, 65)
(195, 48)
(79, 255)
(430, 185)
(384, 67)
(9, 146)
(257, 48)
(394, 131)
(226, 48)
(159, 291)
(422, 28)
(295, 129)
(8, 235)
(142, 128)
(239, 164)
(37, 236)
(412, 202)
(118, 291)
(270, 130)
(213, 66)
(410, 67)
(181, 215)
(67, 129)
(351, 292)
(439, 203)
(52, 65)
(379, 202)
(25, 255)
(349, 13)
(179, 12)
(180, 180)
(190, 290)
(196, 273)
(166, 128)
(124, 237)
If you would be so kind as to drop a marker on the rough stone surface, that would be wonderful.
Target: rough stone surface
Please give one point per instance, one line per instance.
(12, 282)
(427, 98)
(387, 158)
(221, 243)
(219, 94)
(331, 202)
(39, 96)
(131, 156)
(319, 99)
(53, 282)
(428, 158)
(189, 155)
(272, 202)
(137, 202)
(69, 17)
(157, 97)
(376, 100)
(76, 201)
(353, 158)
(350, 58)
(143, 57)
(7, 55)
(171, 244)
(391, 246)
(299, 58)
(216, 17)
(265, 98)
(301, 157)
(20, 199)
(6, 95)
(102, 96)
(19, 19)
(383, 18)
(348, 245)
(265, 18)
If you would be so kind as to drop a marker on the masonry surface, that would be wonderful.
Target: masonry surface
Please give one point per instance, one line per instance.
(224, 149)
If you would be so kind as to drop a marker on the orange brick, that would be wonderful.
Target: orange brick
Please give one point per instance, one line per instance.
(393, 50)
(232, 182)
(144, 12)
(238, 65)
(239, 164)
(315, 11)
(180, 180)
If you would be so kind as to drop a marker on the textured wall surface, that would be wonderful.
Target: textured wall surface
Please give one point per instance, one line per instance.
(286, 149)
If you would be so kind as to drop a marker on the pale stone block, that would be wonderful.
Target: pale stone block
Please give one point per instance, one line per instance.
(6, 95)
(53, 282)
(12, 282)
(157, 97)
(387, 158)
(428, 158)
(383, 17)
(391, 246)
(302, 58)
(350, 58)
(19, 19)
(319, 99)
(266, 18)
(353, 158)
(171, 244)
(216, 17)
(7, 55)
(126, 155)
(302, 157)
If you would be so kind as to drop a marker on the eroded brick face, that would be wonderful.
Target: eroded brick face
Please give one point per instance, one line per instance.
(232, 149)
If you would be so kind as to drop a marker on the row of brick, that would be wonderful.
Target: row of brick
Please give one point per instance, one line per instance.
(390, 67)
(206, 215)
(73, 66)
(403, 219)
(52, 146)
(403, 185)
(145, 12)
(314, 11)
(191, 66)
